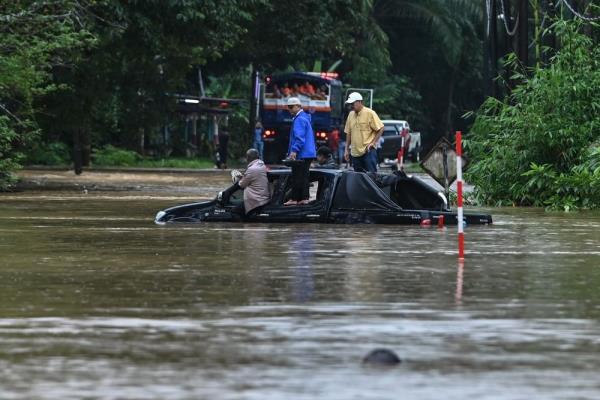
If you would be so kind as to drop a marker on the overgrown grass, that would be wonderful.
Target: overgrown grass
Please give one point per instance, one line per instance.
(110, 156)
(53, 153)
(196, 163)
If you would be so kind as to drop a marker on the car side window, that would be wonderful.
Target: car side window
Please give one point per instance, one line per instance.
(389, 131)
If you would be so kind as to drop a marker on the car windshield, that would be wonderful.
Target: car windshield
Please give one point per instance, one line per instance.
(390, 131)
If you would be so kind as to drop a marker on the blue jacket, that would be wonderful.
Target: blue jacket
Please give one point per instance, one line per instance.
(302, 137)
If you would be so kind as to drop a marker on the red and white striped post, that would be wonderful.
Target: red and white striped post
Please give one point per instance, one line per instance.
(459, 195)
(401, 156)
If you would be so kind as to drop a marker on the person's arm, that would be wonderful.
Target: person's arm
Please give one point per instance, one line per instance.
(378, 134)
(377, 126)
(247, 179)
(223, 197)
(348, 139)
(300, 130)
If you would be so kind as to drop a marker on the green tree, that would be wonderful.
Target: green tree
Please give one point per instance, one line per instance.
(35, 36)
(290, 33)
(121, 91)
(437, 44)
(540, 146)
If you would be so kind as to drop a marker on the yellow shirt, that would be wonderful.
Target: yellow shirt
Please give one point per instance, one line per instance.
(362, 128)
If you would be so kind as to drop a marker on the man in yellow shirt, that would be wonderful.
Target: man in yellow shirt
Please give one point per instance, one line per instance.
(363, 130)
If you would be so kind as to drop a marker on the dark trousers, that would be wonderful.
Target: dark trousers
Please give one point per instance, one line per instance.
(301, 180)
(223, 144)
(366, 163)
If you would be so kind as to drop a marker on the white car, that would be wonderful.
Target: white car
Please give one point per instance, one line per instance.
(394, 129)
(398, 123)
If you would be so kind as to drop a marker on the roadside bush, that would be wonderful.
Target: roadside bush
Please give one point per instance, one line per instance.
(54, 153)
(176, 162)
(9, 160)
(540, 145)
(113, 156)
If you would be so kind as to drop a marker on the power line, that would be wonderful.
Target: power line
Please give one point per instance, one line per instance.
(583, 17)
(508, 31)
(488, 9)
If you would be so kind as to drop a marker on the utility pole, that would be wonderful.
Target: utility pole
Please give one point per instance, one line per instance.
(491, 50)
(253, 99)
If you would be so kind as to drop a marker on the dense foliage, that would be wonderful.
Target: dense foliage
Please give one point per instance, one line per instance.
(541, 145)
(34, 37)
(104, 70)
(103, 74)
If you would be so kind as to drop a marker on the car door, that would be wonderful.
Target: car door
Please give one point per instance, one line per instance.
(315, 211)
(390, 142)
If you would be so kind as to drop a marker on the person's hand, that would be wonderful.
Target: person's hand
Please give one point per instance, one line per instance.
(236, 176)
(293, 155)
(371, 146)
(347, 156)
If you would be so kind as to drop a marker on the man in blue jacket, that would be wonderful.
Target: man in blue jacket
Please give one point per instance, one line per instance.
(302, 150)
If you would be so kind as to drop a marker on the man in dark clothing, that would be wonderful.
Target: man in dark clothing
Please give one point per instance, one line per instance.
(325, 158)
(253, 182)
(223, 143)
(301, 152)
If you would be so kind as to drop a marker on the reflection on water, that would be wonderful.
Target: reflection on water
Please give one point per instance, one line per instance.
(98, 302)
(303, 247)
(460, 271)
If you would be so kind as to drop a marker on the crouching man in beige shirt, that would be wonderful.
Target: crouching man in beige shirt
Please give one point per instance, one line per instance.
(254, 182)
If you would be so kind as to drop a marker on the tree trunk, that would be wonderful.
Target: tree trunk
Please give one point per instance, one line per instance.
(195, 133)
(86, 147)
(141, 141)
(494, 48)
(451, 86)
(537, 33)
(491, 51)
(77, 159)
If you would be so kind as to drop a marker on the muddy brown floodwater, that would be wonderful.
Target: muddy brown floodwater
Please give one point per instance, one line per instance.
(97, 302)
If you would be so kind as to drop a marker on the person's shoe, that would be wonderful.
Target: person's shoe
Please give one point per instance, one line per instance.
(290, 203)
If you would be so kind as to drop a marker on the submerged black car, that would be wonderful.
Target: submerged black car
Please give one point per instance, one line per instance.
(342, 197)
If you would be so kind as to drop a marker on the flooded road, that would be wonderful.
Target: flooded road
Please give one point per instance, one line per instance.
(98, 302)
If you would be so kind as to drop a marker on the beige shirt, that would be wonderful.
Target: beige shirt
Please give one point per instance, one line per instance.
(256, 186)
(362, 128)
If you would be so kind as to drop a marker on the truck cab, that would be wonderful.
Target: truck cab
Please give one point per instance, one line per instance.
(321, 97)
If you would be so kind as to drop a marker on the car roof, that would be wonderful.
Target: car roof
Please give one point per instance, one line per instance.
(394, 121)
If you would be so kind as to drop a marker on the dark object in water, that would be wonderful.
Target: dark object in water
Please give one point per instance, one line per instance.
(342, 197)
(382, 357)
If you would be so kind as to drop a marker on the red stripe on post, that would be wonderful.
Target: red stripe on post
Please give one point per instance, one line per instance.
(459, 196)
(461, 245)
